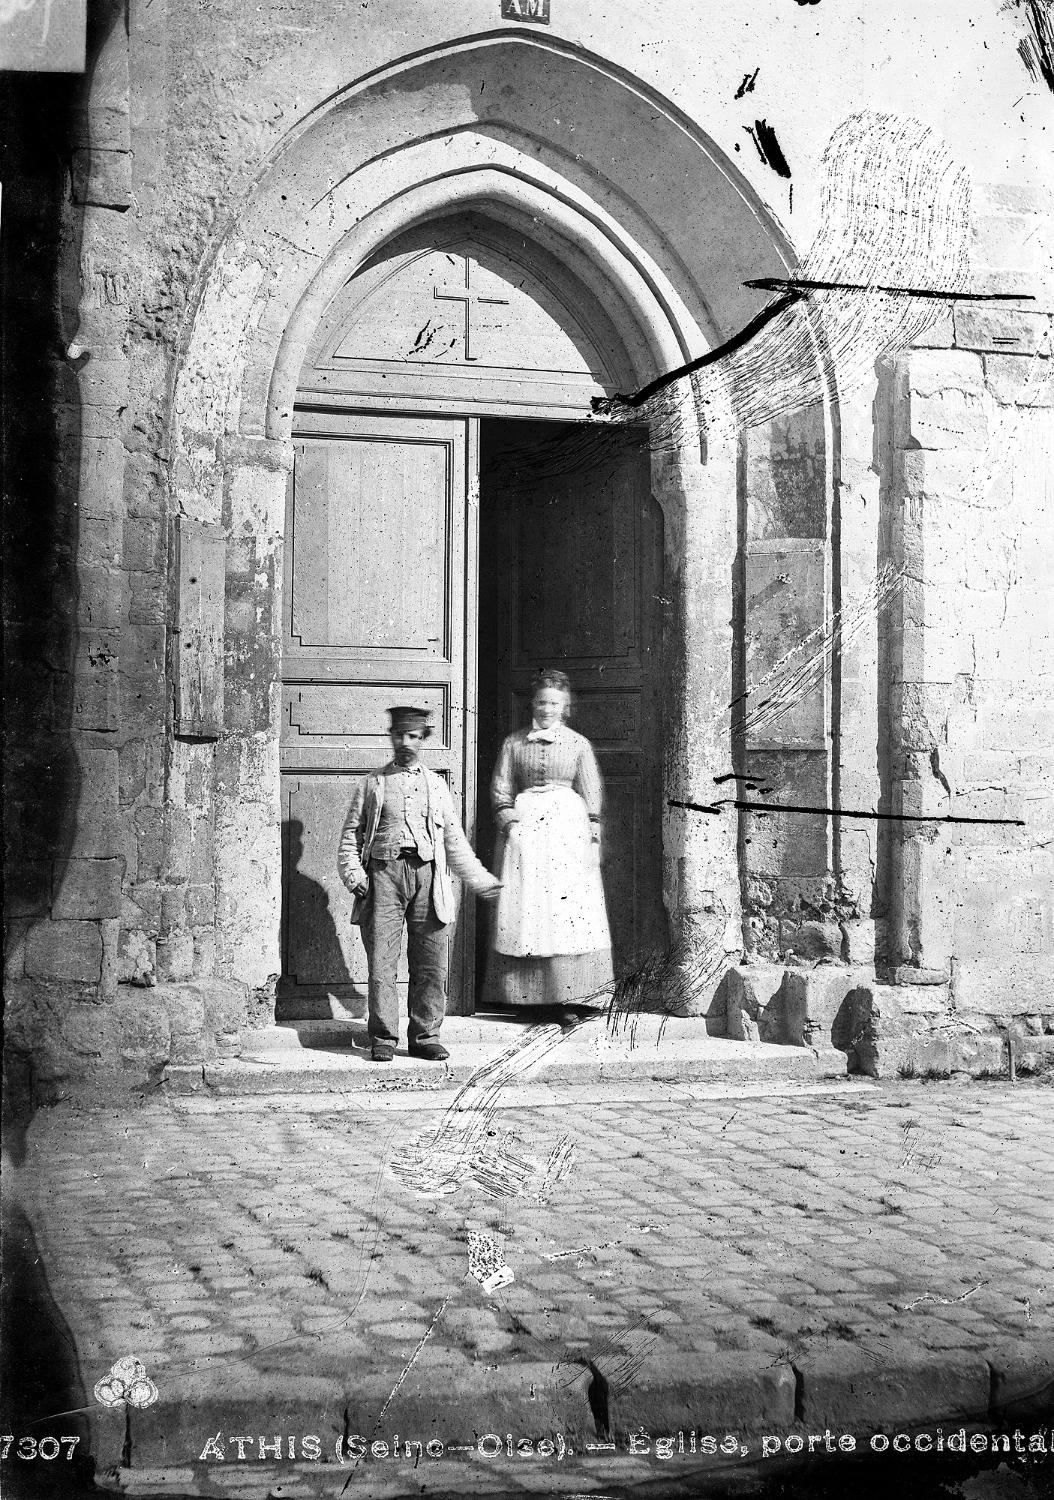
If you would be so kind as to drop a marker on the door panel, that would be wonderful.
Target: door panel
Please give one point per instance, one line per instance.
(380, 537)
(582, 553)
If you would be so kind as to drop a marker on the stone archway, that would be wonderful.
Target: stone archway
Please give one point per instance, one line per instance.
(669, 230)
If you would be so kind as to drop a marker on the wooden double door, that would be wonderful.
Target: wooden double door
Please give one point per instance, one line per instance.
(440, 561)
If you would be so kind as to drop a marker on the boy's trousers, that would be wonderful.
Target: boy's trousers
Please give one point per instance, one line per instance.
(401, 892)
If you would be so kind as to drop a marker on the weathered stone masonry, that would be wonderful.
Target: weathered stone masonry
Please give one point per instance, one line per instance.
(141, 856)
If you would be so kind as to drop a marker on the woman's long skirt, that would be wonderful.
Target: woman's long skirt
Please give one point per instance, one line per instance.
(552, 942)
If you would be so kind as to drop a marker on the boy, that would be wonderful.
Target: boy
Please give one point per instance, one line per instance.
(399, 837)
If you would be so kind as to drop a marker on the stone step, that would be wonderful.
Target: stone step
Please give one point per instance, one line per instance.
(333, 1057)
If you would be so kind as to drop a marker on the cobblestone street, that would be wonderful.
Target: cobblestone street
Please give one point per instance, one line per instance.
(843, 1257)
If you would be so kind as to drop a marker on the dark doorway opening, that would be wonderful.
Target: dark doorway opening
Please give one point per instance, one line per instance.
(570, 568)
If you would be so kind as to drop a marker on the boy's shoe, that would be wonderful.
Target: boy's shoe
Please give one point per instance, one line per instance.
(429, 1051)
(382, 1051)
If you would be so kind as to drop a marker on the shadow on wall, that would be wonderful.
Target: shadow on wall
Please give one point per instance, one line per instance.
(42, 440)
(39, 1372)
(46, 628)
(318, 957)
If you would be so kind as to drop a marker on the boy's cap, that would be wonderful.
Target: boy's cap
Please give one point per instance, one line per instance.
(408, 717)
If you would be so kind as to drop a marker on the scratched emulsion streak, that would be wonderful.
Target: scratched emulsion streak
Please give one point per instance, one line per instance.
(1036, 47)
(895, 213)
(790, 678)
(463, 1149)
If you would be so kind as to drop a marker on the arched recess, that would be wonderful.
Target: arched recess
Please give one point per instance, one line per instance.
(519, 128)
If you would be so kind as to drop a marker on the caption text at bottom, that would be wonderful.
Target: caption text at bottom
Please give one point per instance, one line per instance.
(312, 1448)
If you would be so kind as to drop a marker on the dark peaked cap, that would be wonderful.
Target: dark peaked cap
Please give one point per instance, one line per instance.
(408, 717)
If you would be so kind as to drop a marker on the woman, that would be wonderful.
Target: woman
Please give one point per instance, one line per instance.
(552, 945)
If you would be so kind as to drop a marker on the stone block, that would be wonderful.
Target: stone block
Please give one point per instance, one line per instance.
(65, 950)
(102, 423)
(818, 1005)
(931, 1054)
(907, 974)
(187, 846)
(241, 557)
(144, 545)
(999, 330)
(141, 907)
(132, 764)
(101, 479)
(939, 333)
(201, 905)
(807, 939)
(143, 647)
(173, 908)
(240, 617)
(87, 888)
(1014, 984)
(143, 1038)
(175, 956)
(878, 1033)
(1015, 381)
(102, 602)
(858, 938)
(1023, 1377)
(102, 177)
(149, 598)
(1001, 241)
(943, 472)
(200, 1012)
(931, 371)
(149, 822)
(99, 542)
(753, 1002)
(103, 382)
(727, 1392)
(96, 696)
(204, 952)
(849, 1389)
(136, 958)
(1034, 1054)
(142, 703)
(949, 418)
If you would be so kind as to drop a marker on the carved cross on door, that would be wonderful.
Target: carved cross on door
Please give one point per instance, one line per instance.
(471, 298)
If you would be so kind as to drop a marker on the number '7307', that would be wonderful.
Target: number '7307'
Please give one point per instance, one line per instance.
(30, 1447)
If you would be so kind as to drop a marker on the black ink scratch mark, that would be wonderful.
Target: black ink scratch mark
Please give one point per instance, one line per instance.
(797, 283)
(608, 405)
(769, 148)
(841, 812)
(421, 342)
(747, 86)
(1036, 48)
(895, 210)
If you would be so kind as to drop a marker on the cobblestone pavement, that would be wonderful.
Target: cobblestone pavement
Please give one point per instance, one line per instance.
(275, 1257)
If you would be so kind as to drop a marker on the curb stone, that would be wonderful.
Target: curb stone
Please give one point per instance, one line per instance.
(848, 1389)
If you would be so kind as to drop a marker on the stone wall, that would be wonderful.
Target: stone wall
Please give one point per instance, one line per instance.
(110, 942)
(971, 519)
(142, 862)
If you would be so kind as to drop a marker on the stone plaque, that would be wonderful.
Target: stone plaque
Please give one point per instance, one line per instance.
(201, 552)
(526, 10)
